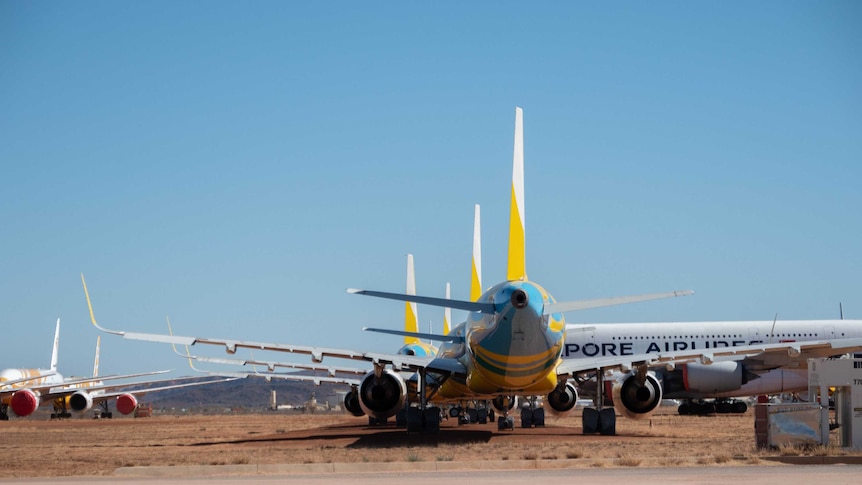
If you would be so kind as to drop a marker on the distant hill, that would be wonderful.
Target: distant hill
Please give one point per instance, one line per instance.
(252, 393)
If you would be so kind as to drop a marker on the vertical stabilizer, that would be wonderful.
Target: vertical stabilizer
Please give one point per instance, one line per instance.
(447, 312)
(411, 319)
(54, 353)
(96, 362)
(517, 268)
(476, 277)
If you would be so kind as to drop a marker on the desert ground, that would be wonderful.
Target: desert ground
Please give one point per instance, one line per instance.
(91, 447)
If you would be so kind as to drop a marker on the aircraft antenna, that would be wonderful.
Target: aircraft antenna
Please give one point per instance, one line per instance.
(772, 332)
(841, 309)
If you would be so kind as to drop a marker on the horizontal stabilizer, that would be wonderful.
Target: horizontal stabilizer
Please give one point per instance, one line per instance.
(470, 306)
(419, 335)
(570, 306)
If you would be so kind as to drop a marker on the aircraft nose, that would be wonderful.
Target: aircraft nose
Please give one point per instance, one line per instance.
(520, 299)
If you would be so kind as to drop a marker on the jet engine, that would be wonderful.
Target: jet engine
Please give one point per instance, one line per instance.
(712, 378)
(24, 402)
(80, 401)
(382, 397)
(562, 400)
(634, 399)
(351, 403)
(126, 403)
(503, 404)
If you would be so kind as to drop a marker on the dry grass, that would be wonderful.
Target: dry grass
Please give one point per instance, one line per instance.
(629, 461)
(41, 448)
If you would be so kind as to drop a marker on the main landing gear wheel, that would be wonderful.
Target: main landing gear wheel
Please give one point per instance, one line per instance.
(603, 422)
(505, 423)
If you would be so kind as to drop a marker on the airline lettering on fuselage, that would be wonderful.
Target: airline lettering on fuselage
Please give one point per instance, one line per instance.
(605, 349)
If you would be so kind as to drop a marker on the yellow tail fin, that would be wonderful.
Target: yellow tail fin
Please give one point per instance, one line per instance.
(517, 269)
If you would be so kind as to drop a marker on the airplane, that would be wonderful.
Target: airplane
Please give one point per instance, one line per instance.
(512, 344)
(714, 388)
(24, 390)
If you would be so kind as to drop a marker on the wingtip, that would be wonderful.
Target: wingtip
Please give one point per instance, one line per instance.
(354, 291)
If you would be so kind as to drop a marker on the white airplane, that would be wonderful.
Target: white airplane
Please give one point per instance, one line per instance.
(24, 390)
(720, 381)
(512, 344)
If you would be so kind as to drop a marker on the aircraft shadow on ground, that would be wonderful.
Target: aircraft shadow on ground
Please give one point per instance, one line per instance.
(364, 437)
(401, 438)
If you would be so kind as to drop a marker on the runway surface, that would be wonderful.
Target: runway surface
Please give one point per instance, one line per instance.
(786, 475)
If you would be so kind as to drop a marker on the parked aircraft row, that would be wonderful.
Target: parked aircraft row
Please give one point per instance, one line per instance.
(23, 390)
(515, 342)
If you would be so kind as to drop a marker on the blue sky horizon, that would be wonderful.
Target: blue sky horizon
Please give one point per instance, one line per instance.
(237, 167)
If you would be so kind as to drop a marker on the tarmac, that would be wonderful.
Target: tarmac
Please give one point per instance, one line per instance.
(476, 473)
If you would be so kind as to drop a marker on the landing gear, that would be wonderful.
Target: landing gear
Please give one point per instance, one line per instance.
(504, 404)
(532, 414)
(705, 408)
(60, 410)
(472, 412)
(600, 420)
(104, 413)
(423, 419)
(505, 423)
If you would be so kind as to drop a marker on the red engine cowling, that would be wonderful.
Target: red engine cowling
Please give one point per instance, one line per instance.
(24, 402)
(126, 404)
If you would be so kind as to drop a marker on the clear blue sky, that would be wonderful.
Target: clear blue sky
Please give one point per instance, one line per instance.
(237, 166)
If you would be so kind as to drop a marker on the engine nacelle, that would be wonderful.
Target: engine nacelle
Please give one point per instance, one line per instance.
(24, 402)
(351, 403)
(126, 404)
(715, 377)
(80, 401)
(503, 404)
(563, 399)
(382, 397)
(636, 401)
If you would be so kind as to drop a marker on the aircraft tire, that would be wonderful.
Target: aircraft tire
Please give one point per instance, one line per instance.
(608, 422)
(590, 420)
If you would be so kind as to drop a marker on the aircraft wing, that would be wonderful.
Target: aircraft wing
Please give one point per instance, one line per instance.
(271, 365)
(397, 361)
(331, 378)
(401, 362)
(758, 356)
(81, 383)
(140, 392)
(290, 376)
(100, 390)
